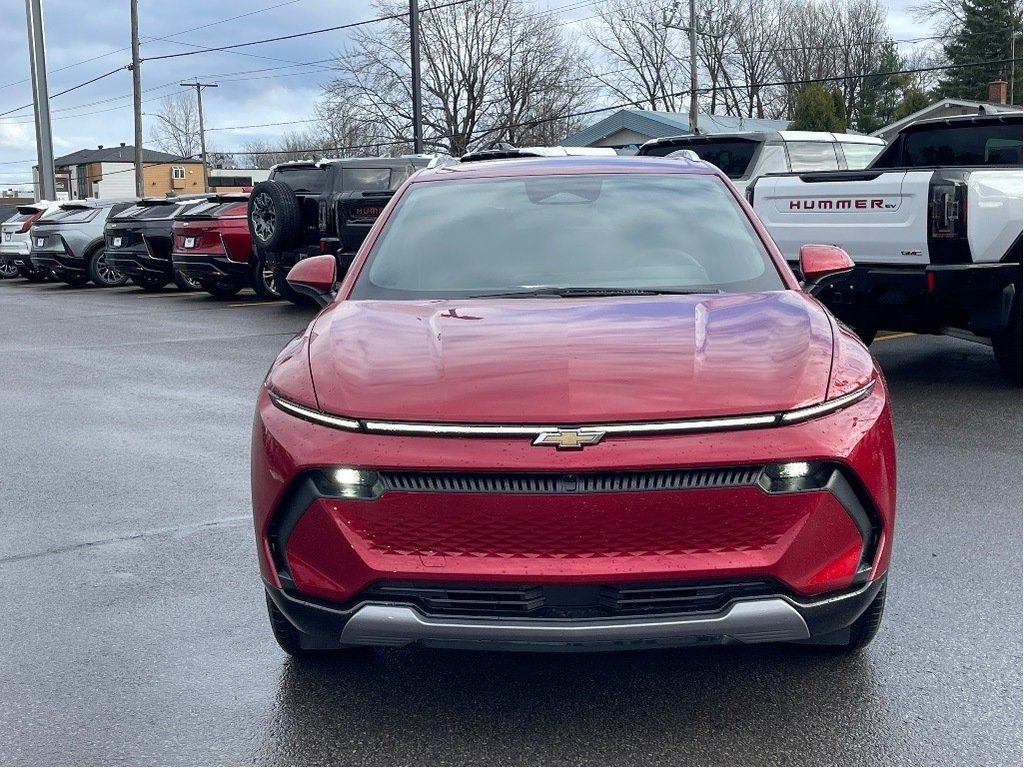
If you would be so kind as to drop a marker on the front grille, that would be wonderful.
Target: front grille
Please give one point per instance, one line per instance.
(658, 480)
(568, 601)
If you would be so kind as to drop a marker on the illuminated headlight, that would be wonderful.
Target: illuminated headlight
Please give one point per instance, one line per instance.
(795, 476)
(349, 483)
(789, 471)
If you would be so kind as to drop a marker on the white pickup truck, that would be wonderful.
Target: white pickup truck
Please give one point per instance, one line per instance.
(933, 225)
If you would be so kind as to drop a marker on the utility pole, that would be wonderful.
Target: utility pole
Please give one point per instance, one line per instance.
(414, 53)
(202, 131)
(693, 68)
(140, 188)
(40, 99)
(692, 29)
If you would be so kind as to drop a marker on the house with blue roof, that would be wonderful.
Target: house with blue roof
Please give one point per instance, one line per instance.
(629, 128)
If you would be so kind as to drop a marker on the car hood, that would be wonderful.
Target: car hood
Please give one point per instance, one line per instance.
(571, 361)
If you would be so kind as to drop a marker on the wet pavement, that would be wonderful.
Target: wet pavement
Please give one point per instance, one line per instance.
(134, 629)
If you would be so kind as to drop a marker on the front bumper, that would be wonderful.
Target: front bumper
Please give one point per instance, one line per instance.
(779, 618)
(445, 515)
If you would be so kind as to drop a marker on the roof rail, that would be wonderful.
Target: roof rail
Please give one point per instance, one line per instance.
(512, 153)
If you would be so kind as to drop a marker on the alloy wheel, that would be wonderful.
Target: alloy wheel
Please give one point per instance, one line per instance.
(8, 269)
(263, 216)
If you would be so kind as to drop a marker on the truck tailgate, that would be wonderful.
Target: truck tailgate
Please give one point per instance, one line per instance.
(879, 217)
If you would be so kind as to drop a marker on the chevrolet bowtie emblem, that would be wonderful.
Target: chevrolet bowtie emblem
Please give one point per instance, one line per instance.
(569, 439)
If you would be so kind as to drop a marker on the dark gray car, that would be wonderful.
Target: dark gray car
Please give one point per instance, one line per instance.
(70, 242)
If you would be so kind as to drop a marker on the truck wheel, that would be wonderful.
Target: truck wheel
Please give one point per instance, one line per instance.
(275, 221)
(287, 292)
(1007, 346)
(264, 284)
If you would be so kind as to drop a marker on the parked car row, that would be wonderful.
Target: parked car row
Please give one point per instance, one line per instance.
(198, 242)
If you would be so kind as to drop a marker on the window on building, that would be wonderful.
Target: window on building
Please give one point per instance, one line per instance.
(177, 172)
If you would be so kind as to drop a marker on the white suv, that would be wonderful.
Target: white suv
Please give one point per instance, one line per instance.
(744, 157)
(15, 241)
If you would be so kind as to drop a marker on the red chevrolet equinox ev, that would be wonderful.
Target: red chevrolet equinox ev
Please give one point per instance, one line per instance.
(572, 404)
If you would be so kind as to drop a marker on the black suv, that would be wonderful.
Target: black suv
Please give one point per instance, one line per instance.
(139, 241)
(307, 208)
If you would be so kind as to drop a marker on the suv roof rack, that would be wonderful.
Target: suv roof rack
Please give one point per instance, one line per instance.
(511, 153)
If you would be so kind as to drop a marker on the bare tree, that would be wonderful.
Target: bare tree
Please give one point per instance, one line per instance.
(468, 97)
(639, 58)
(756, 29)
(539, 85)
(176, 129)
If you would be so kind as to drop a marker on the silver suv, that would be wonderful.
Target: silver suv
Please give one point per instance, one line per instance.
(70, 242)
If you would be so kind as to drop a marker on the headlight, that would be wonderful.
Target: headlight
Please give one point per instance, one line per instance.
(349, 483)
(795, 476)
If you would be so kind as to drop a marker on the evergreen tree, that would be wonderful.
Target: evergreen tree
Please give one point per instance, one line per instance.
(839, 110)
(880, 96)
(913, 100)
(818, 110)
(984, 36)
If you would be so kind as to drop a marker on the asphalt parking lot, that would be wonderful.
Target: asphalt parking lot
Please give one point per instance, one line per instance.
(134, 629)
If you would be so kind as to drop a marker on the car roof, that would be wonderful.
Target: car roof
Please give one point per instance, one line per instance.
(559, 166)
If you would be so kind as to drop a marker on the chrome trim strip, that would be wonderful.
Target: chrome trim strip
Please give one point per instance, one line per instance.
(309, 414)
(747, 621)
(813, 411)
(480, 430)
(682, 426)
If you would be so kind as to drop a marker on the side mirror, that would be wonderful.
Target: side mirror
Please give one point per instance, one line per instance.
(315, 277)
(820, 261)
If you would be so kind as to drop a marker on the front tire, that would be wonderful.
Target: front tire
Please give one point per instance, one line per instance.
(102, 273)
(287, 292)
(264, 281)
(859, 634)
(1007, 345)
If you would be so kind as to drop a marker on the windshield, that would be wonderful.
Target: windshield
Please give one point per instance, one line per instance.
(558, 235)
(732, 156)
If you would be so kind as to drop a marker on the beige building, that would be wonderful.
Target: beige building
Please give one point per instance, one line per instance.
(109, 172)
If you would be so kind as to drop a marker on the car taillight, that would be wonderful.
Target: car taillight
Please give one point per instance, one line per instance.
(27, 224)
(948, 209)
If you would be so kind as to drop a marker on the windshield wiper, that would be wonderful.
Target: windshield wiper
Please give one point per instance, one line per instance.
(562, 292)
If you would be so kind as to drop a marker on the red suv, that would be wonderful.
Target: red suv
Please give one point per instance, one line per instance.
(588, 407)
(212, 246)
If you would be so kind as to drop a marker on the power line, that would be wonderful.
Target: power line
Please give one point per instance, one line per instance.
(67, 90)
(167, 39)
(351, 25)
(611, 108)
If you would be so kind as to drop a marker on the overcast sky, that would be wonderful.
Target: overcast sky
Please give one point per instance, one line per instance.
(87, 39)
